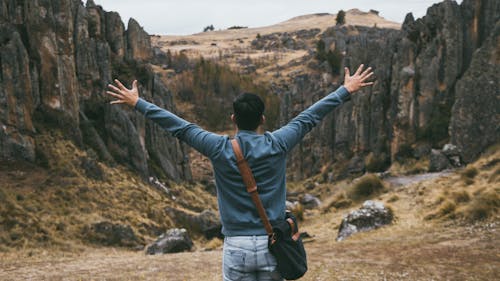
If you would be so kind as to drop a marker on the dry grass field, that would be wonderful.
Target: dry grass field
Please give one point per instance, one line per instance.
(424, 243)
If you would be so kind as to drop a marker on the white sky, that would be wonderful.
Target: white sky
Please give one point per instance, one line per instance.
(191, 16)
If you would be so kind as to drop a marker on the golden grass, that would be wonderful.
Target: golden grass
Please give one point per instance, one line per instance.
(471, 194)
(52, 207)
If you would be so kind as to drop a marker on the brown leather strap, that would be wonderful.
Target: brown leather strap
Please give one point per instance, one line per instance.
(251, 185)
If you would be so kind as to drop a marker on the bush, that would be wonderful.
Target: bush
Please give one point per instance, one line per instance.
(470, 172)
(365, 187)
(340, 17)
(460, 196)
(208, 28)
(483, 206)
(446, 208)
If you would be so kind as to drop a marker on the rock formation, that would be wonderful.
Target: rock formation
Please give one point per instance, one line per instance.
(56, 59)
(436, 82)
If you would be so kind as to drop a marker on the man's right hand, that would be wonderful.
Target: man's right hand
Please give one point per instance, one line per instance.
(357, 81)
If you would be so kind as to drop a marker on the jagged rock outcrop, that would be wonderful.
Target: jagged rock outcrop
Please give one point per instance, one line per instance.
(56, 59)
(475, 118)
(436, 82)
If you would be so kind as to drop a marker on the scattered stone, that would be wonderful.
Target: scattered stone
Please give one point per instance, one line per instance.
(310, 201)
(453, 153)
(372, 215)
(438, 161)
(159, 185)
(173, 241)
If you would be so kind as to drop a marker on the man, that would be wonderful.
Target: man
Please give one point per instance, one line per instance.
(245, 255)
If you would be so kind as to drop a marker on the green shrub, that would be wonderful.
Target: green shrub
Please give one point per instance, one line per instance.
(340, 19)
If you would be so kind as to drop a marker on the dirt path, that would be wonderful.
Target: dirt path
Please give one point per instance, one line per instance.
(411, 179)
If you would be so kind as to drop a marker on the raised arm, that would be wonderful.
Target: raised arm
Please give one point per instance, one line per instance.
(291, 134)
(203, 141)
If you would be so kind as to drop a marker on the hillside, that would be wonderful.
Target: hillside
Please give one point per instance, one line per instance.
(234, 46)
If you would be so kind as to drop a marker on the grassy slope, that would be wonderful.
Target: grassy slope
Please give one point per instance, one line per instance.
(50, 207)
(415, 247)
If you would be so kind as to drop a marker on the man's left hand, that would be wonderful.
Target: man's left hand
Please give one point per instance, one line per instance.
(123, 94)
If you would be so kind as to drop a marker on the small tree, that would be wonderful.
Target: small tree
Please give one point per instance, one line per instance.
(208, 28)
(340, 17)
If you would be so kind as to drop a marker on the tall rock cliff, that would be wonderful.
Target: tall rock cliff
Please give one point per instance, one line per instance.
(437, 81)
(56, 59)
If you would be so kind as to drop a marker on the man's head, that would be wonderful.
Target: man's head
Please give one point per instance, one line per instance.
(248, 111)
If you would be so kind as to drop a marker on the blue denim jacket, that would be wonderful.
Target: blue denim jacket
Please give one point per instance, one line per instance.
(265, 153)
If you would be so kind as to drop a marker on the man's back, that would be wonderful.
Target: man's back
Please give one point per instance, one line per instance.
(266, 155)
(267, 160)
(246, 255)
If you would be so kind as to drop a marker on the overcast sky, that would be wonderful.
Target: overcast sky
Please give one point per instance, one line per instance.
(191, 16)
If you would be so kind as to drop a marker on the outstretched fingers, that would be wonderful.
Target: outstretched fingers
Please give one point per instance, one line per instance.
(360, 68)
(366, 72)
(366, 84)
(120, 85)
(115, 89)
(366, 76)
(114, 94)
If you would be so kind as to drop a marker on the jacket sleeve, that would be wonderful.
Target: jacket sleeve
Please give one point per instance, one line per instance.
(293, 132)
(203, 141)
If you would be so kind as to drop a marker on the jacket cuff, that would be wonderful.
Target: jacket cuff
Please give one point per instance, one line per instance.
(344, 94)
(141, 105)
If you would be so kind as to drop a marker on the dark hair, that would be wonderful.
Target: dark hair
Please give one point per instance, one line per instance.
(248, 109)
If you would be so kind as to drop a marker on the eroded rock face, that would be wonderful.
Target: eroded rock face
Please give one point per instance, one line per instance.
(436, 82)
(475, 119)
(56, 60)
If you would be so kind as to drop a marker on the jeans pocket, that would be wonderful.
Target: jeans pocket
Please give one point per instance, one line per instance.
(234, 264)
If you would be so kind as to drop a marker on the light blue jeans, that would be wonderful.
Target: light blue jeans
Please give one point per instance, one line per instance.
(247, 258)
